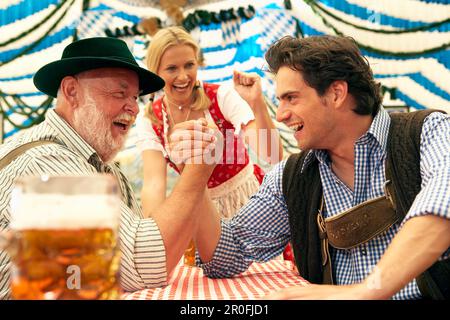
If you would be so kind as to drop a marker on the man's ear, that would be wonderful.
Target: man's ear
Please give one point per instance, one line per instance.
(69, 89)
(337, 92)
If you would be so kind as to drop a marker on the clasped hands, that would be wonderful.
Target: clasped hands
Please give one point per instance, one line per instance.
(195, 142)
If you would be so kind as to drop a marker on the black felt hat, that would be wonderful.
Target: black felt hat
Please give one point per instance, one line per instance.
(93, 53)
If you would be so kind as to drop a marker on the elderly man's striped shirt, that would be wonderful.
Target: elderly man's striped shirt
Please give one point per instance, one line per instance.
(143, 254)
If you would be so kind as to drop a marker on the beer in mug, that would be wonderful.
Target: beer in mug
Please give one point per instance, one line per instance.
(64, 241)
(189, 254)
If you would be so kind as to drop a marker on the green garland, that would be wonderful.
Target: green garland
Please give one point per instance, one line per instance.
(25, 33)
(125, 31)
(198, 17)
(314, 3)
(33, 45)
(84, 8)
(381, 52)
(36, 115)
(287, 4)
(193, 20)
(392, 92)
(203, 17)
(298, 29)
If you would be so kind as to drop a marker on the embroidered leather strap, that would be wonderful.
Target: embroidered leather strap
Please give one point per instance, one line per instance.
(361, 223)
(354, 227)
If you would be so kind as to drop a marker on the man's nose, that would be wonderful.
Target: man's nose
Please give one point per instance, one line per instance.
(282, 113)
(132, 107)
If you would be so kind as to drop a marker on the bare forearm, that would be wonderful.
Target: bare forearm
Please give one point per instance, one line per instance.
(420, 242)
(153, 190)
(151, 197)
(208, 231)
(176, 217)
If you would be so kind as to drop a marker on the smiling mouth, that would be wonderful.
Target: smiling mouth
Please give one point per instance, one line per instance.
(181, 87)
(296, 127)
(122, 125)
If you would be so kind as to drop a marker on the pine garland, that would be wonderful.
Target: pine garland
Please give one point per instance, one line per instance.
(34, 27)
(392, 92)
(315, 4)
(193, 20)
(34, 44)
(298, 29)
(203, 17)
(125, 31)
(287, 4)
(381, 52)
(35, 115)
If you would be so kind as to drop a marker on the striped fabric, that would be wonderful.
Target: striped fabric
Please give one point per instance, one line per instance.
(189, 283)
(260, 231)
(143, 253)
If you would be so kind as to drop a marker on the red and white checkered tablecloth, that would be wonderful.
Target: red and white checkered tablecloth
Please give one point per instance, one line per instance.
(189, 283)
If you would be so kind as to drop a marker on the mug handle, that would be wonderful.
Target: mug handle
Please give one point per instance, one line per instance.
(6, 241)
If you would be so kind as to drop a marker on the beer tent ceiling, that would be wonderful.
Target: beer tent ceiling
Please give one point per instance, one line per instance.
(406, 42)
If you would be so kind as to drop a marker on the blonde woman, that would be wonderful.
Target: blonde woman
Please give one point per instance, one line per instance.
(175, 57)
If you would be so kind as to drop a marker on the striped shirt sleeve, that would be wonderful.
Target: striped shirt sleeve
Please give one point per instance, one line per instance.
(143, 254)
(143, 262)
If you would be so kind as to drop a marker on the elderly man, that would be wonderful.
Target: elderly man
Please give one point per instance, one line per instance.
(96, 83)
(365, 205)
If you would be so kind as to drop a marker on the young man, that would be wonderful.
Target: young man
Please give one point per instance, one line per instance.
(328, 97)
(96, 83)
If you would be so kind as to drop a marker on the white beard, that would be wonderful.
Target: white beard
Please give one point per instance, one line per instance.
(93, 126)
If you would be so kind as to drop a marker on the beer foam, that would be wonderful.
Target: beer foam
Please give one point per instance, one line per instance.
(57, 211)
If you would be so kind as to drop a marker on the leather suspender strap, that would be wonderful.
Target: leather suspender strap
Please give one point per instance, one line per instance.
(13, 154)
(325, 249)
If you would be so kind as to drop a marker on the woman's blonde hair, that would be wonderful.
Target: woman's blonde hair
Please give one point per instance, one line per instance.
(160, 42)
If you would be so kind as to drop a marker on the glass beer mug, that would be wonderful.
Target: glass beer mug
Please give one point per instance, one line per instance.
(64, 242)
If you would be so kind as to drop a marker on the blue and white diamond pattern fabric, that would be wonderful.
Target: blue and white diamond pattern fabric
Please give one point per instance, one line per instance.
(94, 21)
(276, 24)
(231, 32)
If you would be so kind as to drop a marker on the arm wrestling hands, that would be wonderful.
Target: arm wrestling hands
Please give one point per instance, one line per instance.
(195, 142)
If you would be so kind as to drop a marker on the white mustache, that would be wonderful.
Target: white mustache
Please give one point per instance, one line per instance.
(125, 117)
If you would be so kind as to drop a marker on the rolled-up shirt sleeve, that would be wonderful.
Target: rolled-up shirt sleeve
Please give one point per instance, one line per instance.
(434, 196)
(234, 108)
(258, 232)
(143, 263)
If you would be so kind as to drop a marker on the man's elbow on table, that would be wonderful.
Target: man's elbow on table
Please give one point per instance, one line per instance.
(209, 229)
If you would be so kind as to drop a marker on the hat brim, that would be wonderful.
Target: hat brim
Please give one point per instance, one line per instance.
(48, 78)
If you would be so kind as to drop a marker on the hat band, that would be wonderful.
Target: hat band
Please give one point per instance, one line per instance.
(117, 58)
